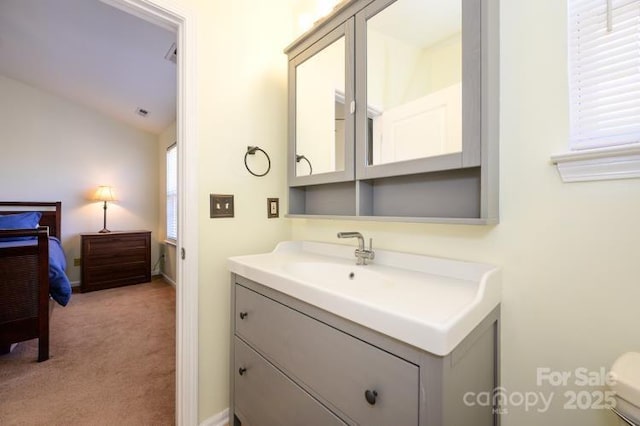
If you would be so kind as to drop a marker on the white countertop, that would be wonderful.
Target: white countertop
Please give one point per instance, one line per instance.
(428, 302)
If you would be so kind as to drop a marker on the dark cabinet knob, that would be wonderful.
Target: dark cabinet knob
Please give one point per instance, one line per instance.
(370, 396)
(242, 370)
(243, 315)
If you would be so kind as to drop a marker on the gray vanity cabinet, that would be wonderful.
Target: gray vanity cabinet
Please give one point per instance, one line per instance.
(400, 123)
(294, 364)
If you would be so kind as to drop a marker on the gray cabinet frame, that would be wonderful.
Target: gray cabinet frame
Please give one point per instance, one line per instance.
(458, 188)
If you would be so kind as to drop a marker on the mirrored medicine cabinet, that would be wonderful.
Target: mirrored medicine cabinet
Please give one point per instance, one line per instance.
(393, 113)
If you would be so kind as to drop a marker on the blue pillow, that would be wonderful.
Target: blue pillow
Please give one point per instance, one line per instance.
(27, 220)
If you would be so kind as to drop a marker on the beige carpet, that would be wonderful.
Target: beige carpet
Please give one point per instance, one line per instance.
(112, 363)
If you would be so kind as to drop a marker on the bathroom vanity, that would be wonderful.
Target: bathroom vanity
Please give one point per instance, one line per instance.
(317, 340)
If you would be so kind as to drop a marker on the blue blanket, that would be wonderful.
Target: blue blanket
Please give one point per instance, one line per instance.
(59, 285)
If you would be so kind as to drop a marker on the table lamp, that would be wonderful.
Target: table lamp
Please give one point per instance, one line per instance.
(104, 193)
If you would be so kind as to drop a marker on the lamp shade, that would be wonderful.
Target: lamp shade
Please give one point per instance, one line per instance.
(104, 193)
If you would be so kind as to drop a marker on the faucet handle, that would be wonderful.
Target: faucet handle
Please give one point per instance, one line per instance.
(370, 253)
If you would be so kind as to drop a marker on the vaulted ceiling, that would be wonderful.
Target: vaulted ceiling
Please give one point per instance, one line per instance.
(93, 54)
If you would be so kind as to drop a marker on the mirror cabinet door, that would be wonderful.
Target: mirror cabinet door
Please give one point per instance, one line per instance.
(412, 54)
(414, 80)
(324, 124)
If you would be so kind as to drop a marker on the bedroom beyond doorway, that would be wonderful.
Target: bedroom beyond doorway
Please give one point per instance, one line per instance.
(112, 362)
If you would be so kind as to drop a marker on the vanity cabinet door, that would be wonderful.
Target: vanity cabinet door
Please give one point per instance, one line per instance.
(366, 384)
(266, 397)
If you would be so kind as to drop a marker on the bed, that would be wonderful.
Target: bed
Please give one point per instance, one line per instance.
(32, 265)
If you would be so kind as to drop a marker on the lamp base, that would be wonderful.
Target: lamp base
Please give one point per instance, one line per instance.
(104, 223)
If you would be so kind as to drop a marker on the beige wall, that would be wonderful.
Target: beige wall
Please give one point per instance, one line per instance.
(241, 101)
(55, 150)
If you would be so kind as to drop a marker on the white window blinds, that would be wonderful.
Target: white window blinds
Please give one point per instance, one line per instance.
(604, 72)
(172, 192)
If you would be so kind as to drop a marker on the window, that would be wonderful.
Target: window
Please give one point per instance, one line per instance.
(604, 90)
(172, 192)
(604, 72)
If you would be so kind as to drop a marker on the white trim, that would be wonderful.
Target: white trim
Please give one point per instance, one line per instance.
(220, 419)
(143, 12)
(167, 14)
(168, 279)
(589, 154)
(617, 162)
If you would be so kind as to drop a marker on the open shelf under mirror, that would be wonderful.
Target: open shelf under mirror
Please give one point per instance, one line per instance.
(406, 198)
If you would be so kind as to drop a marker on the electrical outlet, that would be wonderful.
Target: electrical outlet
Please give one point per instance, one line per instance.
(77, 261)
(273, 207)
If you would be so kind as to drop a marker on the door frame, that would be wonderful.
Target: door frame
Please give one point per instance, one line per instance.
(167, 14)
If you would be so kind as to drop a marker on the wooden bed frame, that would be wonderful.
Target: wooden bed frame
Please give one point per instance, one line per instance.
(24, 278)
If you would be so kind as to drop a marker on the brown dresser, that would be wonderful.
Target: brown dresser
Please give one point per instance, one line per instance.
(115, 259)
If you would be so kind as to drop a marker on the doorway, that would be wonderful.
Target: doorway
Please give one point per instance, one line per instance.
(164, 13)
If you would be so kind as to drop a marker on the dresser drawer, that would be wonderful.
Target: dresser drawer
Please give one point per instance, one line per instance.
(129, 272)
(335, 366)
(122, 245)
(117, 258)
(266, 397)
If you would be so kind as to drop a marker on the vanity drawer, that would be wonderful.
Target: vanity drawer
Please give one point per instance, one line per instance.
(335, 366)
(264, 396)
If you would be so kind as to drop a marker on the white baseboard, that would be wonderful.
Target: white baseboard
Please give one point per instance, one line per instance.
(75, 283)
(169, 280)
(220, 419)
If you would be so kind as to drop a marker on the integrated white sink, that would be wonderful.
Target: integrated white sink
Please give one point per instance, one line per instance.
(428, 302)
(338, 277)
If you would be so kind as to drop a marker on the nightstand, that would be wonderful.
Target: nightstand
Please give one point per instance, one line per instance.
(115, 259)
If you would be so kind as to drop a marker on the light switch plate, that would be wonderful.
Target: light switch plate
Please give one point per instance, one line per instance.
(221, 205)
(273, 207)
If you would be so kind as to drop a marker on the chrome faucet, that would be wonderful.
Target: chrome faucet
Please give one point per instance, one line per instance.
(362, 254)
